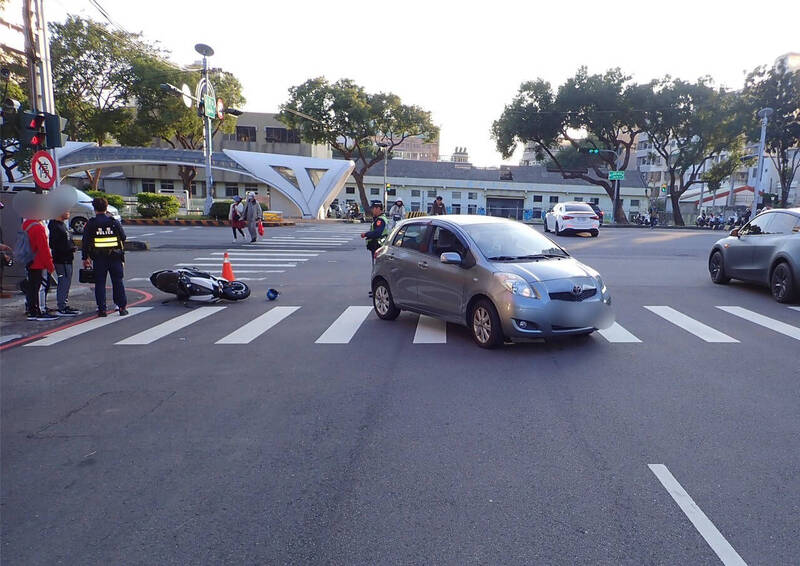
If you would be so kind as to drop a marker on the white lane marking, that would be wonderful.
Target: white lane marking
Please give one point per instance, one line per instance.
(259, 253)
(172, 325)
(307, 244)
(701, 522)
(143, 235)
(9, 338)
(765, 321)
(691, 325)
(344, 328)
(165, 231)
(795, 308)
(252, 278)
(260, 271)
(430, 331)
(616, 333)
(240, 265)
(83, 327)
(132, 279)
(240, 259)
(282, 249)
(257, 326)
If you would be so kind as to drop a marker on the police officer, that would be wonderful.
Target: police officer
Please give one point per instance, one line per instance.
(377, 236)
(103, 242)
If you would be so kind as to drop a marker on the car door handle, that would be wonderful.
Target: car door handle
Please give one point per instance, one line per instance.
(423, 264)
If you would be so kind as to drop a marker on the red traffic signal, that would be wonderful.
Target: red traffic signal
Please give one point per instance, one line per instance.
(32, 132)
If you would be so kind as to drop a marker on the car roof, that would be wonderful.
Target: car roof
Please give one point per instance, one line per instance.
(463, 219)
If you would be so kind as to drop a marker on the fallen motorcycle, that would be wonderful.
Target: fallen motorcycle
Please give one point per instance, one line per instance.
(191, 284)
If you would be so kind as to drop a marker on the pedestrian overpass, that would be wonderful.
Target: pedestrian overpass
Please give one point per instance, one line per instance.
(309, 183)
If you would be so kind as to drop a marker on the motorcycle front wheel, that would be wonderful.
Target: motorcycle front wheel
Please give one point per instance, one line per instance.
(235, 291)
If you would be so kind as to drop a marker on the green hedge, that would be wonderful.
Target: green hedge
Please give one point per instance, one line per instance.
(154, 205)
(114, 200)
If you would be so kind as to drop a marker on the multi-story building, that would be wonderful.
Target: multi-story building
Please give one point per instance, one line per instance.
(516, 192)
(417, 149)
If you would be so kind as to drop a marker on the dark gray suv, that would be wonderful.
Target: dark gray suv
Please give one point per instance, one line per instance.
(766, 250)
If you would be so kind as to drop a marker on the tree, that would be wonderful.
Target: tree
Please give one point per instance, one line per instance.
(352, 120)
(688, 125)
(724, 168)
(11, 155)
(92, 79)
(778, 88)
(160, 115)
(587, 110)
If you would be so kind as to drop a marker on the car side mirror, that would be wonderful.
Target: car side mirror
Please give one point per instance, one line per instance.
(450, 258)
(735, 232)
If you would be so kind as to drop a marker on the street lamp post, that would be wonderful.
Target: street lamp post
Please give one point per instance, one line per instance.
(385, 147)
(764, 114)
(208, 149)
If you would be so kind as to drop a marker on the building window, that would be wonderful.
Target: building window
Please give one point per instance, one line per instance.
(472, 196)
(246, 133)
(432, 194)
(553, 200)
(374, 191)
(281, 135)
(456, 209)
(578, 199)
(231, 189)
(350, 190)
(196, 189)
(167, 187)
(635, 202)
(251, 187)
(472, 209)
(415, 193)
(148, 186)
(594, 200)
(537, 198)
(415, 206)
(456, 195)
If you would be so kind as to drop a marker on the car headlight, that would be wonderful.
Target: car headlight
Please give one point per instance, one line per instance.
(516, 285)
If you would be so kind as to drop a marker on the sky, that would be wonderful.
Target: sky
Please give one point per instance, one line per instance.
(462, 61)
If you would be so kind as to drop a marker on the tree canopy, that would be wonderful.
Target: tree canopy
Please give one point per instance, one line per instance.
(352, 121)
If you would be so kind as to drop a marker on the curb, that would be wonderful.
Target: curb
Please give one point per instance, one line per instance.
(151, 222)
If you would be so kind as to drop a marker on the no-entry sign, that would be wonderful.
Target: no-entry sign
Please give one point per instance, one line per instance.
(43, 168)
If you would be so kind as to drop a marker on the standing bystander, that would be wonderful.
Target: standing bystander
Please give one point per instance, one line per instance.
(438, 206)
(38, 269)
(63, 256)
(104, 247)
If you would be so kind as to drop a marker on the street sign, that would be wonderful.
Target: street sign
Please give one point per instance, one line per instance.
(616, 175)
(220, 109)
(210, 106)
(43, 168)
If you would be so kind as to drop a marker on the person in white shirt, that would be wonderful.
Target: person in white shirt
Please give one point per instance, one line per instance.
(397, 212)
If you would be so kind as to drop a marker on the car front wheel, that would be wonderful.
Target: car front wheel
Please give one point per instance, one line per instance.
(782, 284)
(78, 224)
(559, 232)
(716, 268)
(485, 325)
(382, 301)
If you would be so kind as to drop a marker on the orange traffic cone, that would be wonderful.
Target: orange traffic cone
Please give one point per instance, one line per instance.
(227, 270)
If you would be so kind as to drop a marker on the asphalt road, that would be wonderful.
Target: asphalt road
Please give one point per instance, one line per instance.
(334, 438)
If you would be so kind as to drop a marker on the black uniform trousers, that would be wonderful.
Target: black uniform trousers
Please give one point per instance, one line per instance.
(112, 265)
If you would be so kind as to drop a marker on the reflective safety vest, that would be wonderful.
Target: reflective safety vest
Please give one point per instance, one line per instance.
(105, 238)
(386, 230)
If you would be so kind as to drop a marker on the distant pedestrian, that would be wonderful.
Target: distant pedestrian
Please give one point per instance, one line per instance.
(438, 206)
(235, 215)
(38, 269)
(252, 215)
(104, 247)
(63, 257)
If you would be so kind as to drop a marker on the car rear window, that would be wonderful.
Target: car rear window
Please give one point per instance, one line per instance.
(578, 208)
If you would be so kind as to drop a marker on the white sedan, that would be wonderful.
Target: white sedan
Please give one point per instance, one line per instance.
(572, 217)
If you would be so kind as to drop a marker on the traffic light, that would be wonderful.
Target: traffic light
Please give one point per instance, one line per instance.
(54, 126)
(31, 130)
(590, 150)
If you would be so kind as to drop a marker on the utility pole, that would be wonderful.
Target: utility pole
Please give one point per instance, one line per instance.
(385, 147)
(205, 94)
(764, 114)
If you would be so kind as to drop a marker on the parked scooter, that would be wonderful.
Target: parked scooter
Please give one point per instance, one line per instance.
(191, 284)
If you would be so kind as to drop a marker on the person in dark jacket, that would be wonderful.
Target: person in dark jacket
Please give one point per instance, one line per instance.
(63, 256)
(104, 246)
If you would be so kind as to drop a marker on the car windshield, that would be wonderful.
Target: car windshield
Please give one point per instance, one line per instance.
(508, 241)
(83, 197)
(578, 208)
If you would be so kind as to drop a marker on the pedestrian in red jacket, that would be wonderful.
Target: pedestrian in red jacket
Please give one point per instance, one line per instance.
(39, 270)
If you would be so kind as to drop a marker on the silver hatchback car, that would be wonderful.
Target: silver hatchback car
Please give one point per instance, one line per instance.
(502, 279)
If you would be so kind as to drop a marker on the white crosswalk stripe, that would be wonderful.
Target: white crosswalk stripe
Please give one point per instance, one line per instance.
(430, 331)
(84, 327)
(259, 253)
(172, 325)
(345, 327)
(217, 266)
(795, 308)
(252, 258)
(765, 321)
(617, 334)
(691, 325)
(257, 326)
